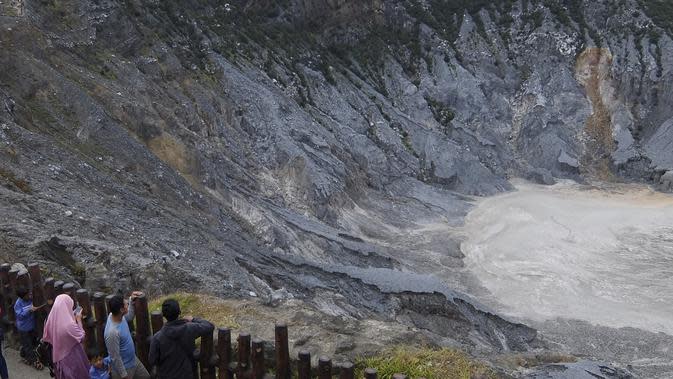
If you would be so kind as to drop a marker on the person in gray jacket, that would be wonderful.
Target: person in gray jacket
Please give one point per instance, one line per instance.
(172, 348)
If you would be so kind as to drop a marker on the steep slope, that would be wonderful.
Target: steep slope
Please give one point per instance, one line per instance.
(314, 149)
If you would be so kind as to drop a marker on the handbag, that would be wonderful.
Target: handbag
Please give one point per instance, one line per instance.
(44, 355)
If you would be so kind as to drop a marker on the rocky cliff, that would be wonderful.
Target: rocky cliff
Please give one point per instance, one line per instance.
(324, 150)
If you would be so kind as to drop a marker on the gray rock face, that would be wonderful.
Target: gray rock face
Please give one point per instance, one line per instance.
(258, 146)
(660, 146)
(579, 370)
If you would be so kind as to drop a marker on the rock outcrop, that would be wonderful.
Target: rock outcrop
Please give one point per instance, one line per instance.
(318, 147)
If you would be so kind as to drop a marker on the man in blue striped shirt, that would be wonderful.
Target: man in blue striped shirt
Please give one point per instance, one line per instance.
(118, 340)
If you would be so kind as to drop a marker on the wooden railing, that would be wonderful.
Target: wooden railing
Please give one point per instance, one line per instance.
(215, 358)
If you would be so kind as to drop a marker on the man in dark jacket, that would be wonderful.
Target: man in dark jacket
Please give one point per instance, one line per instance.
(172, 348)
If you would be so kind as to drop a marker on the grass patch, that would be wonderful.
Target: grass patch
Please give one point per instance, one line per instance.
(207, 307)
(427, 363)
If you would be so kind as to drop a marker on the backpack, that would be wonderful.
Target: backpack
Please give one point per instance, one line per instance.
(43, 351)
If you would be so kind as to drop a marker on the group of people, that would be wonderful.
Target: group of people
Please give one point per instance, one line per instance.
(171, 349)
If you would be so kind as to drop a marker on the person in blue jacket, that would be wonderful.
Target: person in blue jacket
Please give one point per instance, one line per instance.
(100, 366)
(25, 324)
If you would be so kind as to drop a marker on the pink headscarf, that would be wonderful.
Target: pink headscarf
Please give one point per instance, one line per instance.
(61, 330)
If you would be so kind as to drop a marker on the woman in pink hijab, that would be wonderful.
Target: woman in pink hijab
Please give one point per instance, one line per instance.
(63, 330)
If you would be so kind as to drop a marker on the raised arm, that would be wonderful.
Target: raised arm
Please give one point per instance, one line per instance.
(132, 309)
(199, 327)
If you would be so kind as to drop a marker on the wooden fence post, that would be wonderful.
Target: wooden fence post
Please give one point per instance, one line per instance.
(101, 320)
(107, 302)
(70, 289)
(282, 352)
(12, 279)
(206, 357)
(347, 371)
(11, 293)
(304, 365)
(142, 329)
(87, 318)
(23, 280)
(250, 364)
(39, 298)
(49, 292)
(58, 288)
(371, 373)
(224, 353)
(36, 284)
(6, 295)
(4, 273)
(157, 321)
(324, 368)
(258, 369)
(243, 371)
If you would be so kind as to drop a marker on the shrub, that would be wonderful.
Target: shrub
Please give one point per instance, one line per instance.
(660, 11)
(443, 114)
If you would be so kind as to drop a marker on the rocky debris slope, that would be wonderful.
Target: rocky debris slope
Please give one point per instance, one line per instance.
(318, 149)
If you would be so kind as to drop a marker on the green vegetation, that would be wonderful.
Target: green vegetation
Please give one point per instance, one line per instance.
(79, 272)
(366, 57)
(406, 141)
(208, 307)
(12, 9)
(326, 70)
(535, 18)
(660, 11)
(442, 113)
(428, 363)
(569, 11)
(62, 12)
(304, 90)
(445, 16)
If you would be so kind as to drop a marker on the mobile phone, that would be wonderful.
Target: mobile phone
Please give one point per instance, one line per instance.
(78, 310)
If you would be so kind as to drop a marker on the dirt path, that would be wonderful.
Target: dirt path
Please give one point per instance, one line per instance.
(18, 370)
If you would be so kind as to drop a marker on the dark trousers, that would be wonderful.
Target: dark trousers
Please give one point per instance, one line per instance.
(28, 345)
(3, 364)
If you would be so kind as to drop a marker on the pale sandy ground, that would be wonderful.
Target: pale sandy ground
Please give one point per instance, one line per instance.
(18, 370)
(600, 255)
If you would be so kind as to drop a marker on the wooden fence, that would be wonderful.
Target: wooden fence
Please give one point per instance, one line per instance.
(216, 359)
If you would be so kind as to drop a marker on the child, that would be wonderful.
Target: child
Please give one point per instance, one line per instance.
(100, 367)
(25, 324)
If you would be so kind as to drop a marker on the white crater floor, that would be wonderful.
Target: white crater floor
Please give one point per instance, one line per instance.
(600, 255)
